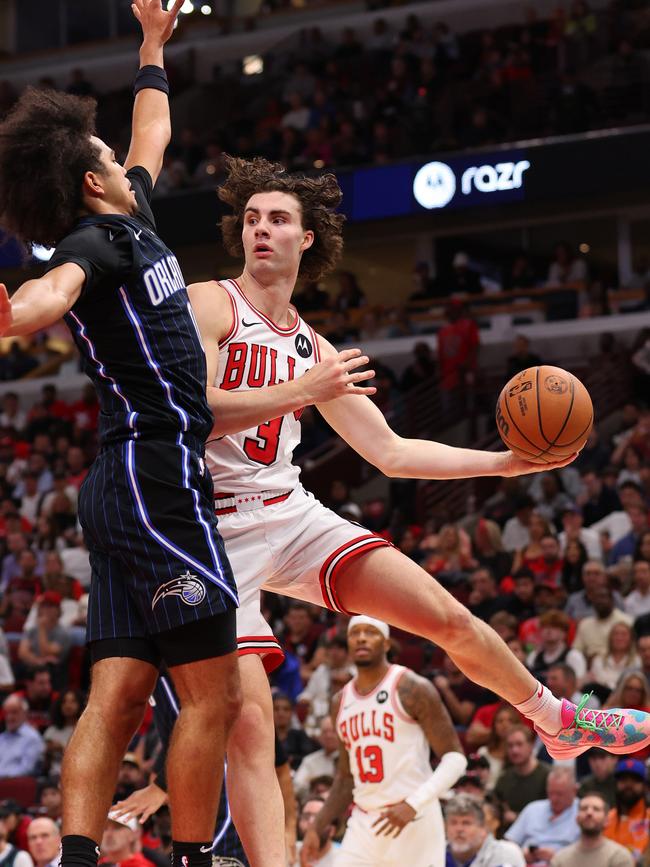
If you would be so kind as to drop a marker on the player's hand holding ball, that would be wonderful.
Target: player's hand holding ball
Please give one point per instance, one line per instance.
(544, 416)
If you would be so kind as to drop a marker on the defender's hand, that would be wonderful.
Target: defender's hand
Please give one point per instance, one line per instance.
(336, 376)
(156, 23)
(311, 848)
(6, 315)
(141, 804)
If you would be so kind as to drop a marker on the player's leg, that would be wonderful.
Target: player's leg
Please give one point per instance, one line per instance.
(253, 789)
(209, 691)
(386, 584)
(391, 587)
(118, 698)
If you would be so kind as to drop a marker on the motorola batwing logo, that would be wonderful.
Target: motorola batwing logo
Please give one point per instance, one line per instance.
(434, 185)
(303, 346)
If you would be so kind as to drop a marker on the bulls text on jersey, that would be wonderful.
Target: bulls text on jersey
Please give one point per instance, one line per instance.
(379, 724)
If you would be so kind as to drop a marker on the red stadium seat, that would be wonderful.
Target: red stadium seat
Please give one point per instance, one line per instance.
(21, 789)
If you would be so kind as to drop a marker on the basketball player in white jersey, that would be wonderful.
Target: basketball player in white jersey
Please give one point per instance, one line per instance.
(387, 719)
(266, 364)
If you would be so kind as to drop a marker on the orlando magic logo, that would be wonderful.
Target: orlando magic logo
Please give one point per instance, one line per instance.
(303, 346)
(190, 588)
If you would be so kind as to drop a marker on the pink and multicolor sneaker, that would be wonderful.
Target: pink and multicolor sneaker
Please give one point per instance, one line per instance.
(617, 730)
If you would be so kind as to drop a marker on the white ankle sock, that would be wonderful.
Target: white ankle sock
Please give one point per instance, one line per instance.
(544, 709)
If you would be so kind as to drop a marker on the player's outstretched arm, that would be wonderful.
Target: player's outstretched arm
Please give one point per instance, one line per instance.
(39, 303)
(365, 429)
(151, 127)
(236, 411)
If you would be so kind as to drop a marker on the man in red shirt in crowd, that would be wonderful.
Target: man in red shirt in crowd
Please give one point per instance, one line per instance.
(121, 844)
(458, 343)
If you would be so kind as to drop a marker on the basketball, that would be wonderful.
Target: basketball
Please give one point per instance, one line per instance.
(544, 414)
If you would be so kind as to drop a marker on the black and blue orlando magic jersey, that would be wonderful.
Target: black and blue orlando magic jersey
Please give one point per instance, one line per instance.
(134, 327)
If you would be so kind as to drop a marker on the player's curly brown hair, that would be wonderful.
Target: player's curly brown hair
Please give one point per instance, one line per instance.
(318, 198)
(45, 150)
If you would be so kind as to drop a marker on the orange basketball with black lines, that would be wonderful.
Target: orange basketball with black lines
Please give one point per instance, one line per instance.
(544, 414)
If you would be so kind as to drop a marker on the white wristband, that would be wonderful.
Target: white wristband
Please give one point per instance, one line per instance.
(451, 768)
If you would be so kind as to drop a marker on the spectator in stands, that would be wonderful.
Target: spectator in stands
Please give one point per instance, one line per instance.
(562, 677)
(554, 630)
(469, 840)
(85, 411)
(423, 283)
(301, 636)
(633, 688)
(597, 499)
(637, 602)
(572, 523)
(460, 696)
(48, 643)
(488, 548)
(594, 577)
(592, 849)
(16, 363)
(458, 343)
(12, 418)
(566, 268)
(77, 469)
(592, 635)
(522, 603)
(65, 716)
(44, 842)
(628, 822)
(9, 855)
(520, 275)
(350, 296)
(16, 544)
(452, 559)
(537, 527)
(50, 799)
(575, 557)
(61, 489)
(320, 763)
(422, 370)
(494, 751)
(547, 825)
(626, 546)
(621, 656)
(550, 496)
(524, 778)
(601, 780)
(521, 357)
(516, 533)
(40, 696)
(594, 455)
(463, 279)
(310, 809)
(315, 699)
(21, 746)
(294, 741)
(121, 843)
(484, 599)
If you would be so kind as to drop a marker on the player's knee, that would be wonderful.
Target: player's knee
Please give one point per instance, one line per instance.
(250, 726)
(122, 709)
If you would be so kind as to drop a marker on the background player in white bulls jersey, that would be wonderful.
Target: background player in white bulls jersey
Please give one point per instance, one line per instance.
(278, 536)
(388, 719)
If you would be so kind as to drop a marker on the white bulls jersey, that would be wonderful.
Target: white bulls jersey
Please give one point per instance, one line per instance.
(388, 751)
(257, 353)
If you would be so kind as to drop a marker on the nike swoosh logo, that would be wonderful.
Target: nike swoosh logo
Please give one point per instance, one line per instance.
(137, 238)
(541, 692)
(205, 849)
(249, 324)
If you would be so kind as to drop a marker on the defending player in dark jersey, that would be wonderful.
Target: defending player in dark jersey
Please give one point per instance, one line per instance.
(162, 588)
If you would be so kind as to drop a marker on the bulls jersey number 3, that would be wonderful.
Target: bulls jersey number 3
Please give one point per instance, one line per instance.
(255, 354)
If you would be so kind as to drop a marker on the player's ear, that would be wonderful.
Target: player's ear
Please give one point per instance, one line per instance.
(92, 185)
(307, 241)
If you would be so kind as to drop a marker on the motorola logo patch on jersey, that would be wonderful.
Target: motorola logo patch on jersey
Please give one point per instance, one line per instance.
(382, 696)
(303, 346)
(190, 588)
